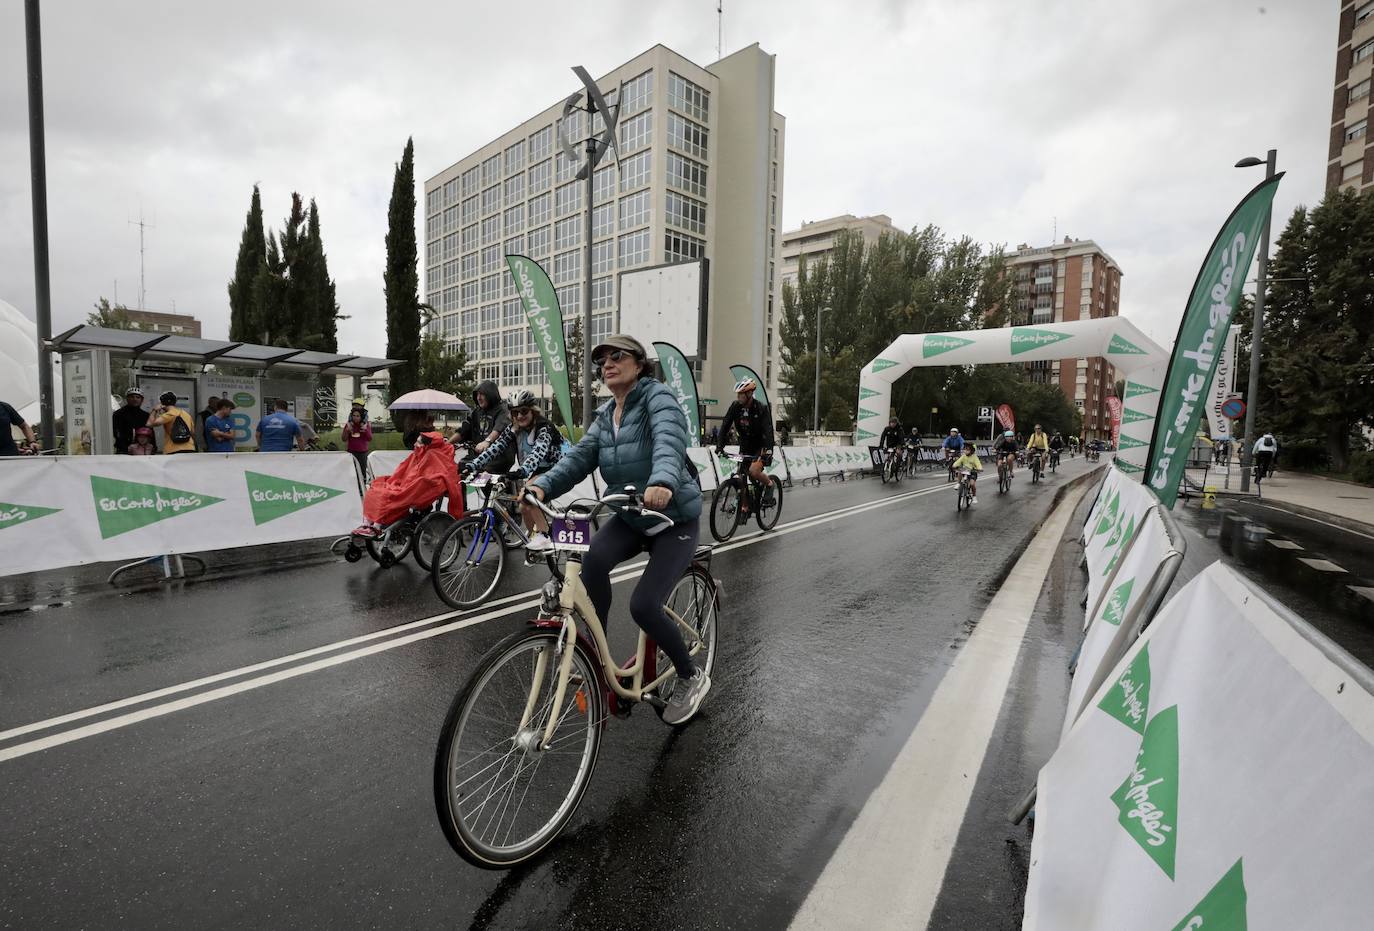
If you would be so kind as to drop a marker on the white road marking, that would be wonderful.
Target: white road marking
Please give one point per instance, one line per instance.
(888, 870)
(1315, 520)
(629, 572)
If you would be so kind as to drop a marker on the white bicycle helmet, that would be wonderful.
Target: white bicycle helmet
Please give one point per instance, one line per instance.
(745, 384)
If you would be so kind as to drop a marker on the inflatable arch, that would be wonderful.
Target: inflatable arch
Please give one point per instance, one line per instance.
(1137, 357)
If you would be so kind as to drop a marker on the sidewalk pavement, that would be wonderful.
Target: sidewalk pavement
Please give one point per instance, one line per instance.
(1343, 501)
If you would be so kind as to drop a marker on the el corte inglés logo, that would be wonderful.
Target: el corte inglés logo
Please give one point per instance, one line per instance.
(934, 345)
(1109, 514)
(1123, 347)
(1024, 339)
(865, 435)
(272, 497)
(880, 364)
(12, 515)
(1134, 390)
(1125, 466)
(866, 393)
(1115, 608)
(1221, 909)
(1129, 442)
(122, 506)
(1148, 799)
(1132, 416)
(1129, 699)
(1120, 542)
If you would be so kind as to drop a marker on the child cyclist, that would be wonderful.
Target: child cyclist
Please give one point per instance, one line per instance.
(537, 444)
(968, 459)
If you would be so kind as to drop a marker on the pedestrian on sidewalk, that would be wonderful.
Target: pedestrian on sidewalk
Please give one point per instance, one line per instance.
(279, 431)
(178, 427)
(219, 429)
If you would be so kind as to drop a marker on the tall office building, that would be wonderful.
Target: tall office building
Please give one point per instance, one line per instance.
(815, 240)
(1072, 280)
(700, 176)
(1350, 161)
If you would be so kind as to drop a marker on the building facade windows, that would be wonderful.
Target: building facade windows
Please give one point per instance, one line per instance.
(515, 157)
(1356, 130)
(603, 185)
(491, 199)
(491, 258)
(603, 220)
(688, 136)
(636, 94)
(514, 190)
(687, 175)
(491, 229)
(567, 198)
(515, 245)
(603, 292)
(541, 144)
(566, 266)
(690, 98)
(1359, 91)
(470, 209)
(491, 287)
(540, 176)
(1352, 171)
(634, 248)
(679, 247)
(635, 171)
(472, 180)
(685, 212)
(567, 232)
(637, 132)
(570, 302)
(635, 210)
(538, 242)
(603, 257)
(540, 209)
(470, 265)
(1366, 50)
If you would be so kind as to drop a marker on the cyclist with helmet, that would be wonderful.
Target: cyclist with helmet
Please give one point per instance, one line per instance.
(639, 438)
(753, 425)
(1005, 450)
(891, 441)
(953, 445)
(537, 446)
(1056, 447)
(1038, 444)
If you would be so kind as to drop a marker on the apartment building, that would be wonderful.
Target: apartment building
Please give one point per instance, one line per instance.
(1072, 280)
(816, 239)
(158, 322)
(1350, 160)
(700, 176)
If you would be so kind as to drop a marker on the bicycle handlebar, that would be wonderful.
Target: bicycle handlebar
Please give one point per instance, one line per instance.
(634, 503)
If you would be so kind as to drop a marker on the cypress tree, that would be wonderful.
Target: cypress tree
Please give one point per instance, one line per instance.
(252, 257)
(401, 280)
(321, 302)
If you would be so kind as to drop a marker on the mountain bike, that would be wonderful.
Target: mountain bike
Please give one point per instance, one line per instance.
(892, 465)
(1003, 476)
(912, 460)
(521, 739)
(1037, 466)
(965, 498)
(739, 494)
(1054, 460)
(949, 463)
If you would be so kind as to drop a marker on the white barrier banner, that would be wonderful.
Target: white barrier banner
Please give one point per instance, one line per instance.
(705, 461)
(1121, 510)
(1138, 565)
(1219, 780)
(70, 511)
(726, 466)
(801, 462)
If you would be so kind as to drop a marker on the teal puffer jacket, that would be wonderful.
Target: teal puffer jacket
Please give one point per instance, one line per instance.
(651, 449)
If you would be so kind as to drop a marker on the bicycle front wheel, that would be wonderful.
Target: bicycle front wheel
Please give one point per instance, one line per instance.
(428, 533)
(769, 508)
(467, 562)
(502, 794)
(725, 510)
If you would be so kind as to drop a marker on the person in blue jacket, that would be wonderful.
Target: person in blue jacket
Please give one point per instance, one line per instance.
(639, 438)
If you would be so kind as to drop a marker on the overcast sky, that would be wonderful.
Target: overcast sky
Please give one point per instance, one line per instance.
(1119, 121)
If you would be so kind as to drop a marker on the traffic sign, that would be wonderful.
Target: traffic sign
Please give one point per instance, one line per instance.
(708, 401)
(1233, 408)
(984, 415)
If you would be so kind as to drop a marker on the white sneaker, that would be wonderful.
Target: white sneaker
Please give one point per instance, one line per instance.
(686, 698)
(539, 543)
(973, 500)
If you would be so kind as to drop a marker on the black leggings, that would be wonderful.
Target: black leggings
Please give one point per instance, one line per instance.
(670, 552)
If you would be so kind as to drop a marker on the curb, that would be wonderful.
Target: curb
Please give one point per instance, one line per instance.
(1302, 510)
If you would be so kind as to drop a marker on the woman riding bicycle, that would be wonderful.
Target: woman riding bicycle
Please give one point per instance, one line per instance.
(537, 446)
(639, 438)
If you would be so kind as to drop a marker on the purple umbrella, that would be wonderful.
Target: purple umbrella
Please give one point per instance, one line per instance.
(427, 399)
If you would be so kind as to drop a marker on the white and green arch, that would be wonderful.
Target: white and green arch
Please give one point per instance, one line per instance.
(1137, 357)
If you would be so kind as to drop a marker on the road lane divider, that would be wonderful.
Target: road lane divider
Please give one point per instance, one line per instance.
(366, 645)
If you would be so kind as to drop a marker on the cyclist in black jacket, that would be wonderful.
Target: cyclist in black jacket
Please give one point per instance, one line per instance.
(891, 441)
(753, 424)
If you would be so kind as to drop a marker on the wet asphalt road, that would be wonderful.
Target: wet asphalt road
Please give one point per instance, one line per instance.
(307, 801)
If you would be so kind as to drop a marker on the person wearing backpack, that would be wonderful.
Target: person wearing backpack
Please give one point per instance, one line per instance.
(177, 425)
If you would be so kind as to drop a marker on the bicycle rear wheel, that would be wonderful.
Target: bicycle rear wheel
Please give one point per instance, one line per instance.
(696, 600)
(500, 795)
(1003, 480)
(467, 562)
(766, 514)
(725, 509)
(428, 533)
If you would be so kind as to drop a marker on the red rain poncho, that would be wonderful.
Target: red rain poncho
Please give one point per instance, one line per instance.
(422, 478)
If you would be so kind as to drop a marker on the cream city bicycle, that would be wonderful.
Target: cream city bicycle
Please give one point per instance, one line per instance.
(521, 739)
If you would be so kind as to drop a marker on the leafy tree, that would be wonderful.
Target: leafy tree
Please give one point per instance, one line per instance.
(244, 315)
(320, 305)
(1317, 379)
(293, 297)
(114, 317)
(401, 280)
(445, 369)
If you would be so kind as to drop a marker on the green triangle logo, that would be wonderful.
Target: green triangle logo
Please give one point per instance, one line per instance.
(12, 515)
(1115, 609)
(1024, 339)
(122, 506)
(1223, 908)
(865, 412)
(1119, 540)
(1128, 467)
(272, 497)
(1133, 416)
(865, 435)
(1129, 698)
(1109, 515)
(1148, 799)
(1119, 346)
(1129, 442)
(933, 344)
(1135, 390)
(866, 393)
(880, 364)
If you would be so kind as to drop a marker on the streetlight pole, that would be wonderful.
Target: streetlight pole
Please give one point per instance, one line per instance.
(39, 180)
(816, 413)
(1256, 325)
(588, 344)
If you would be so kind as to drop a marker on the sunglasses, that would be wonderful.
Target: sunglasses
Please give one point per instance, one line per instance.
(615, 355)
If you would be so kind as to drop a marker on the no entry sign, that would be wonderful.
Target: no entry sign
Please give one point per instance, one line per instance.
(1233, 408)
